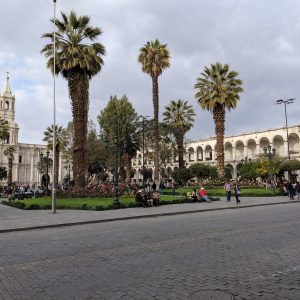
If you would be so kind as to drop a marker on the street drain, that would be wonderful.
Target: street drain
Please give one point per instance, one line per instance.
(211, 295)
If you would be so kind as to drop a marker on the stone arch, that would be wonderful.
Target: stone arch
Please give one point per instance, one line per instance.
(278, 144)
(263, 142)
(208, 153)
(239, 150)
(191, 154)
(6, 105)
(228, 151)
(294, 144)
(251, 147)
(199, 153)
(169, 171)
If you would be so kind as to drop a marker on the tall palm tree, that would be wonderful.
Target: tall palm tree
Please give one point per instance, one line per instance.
(77, 61)
(218, 89)
(179, 116)
(61, 140)
(9, 152)
(154, 58)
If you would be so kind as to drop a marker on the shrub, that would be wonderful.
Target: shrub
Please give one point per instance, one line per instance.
(99, 207)
(34, 206)
(20, 205)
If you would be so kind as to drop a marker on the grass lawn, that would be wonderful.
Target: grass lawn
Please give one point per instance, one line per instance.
(106, 203)
(77, 203)
(219, 191)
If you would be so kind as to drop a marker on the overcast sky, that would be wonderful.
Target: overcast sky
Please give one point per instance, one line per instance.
(260, 39)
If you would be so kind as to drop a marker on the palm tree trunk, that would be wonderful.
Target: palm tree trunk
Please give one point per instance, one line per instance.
(9, 175)
(219, 119)
(79, 91)
(156, 130)
(179, 141)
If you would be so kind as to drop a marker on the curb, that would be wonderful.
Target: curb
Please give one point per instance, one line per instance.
(138, 217)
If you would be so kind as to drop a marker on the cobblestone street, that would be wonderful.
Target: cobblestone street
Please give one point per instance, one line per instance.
(250, 253)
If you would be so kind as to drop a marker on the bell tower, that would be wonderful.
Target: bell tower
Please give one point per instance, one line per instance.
(7, 112)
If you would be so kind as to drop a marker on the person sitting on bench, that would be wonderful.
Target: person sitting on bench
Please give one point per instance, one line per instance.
(202, 195)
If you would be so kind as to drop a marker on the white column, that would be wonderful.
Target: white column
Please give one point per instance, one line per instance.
(31, 153)
(233, 153)
(257, 149)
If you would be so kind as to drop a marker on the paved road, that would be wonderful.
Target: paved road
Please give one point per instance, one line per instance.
(12, 219)
(251, 253)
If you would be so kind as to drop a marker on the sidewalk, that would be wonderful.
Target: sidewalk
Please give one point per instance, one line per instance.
(13, 219)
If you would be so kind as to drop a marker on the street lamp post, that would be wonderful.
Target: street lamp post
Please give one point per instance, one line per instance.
(53, 194)
(270, 153)
(285, 102)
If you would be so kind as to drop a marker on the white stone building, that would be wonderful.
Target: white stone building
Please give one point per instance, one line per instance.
(236, 148)
(28, 155)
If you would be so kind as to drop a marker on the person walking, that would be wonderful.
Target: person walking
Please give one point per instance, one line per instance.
(297, 189)
(236, 194)
(153, 187)
(227, 188)
(291, 190)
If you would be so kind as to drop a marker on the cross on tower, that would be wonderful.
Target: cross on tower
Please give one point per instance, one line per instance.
(7, 75)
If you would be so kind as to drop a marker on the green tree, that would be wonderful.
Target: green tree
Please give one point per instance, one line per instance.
(61, 140)
(167, 144)
(78, 61)
(97, 155)
(119, 123)
(199, 170)
(3, 173)
(213, 172)
(182, 175)
(9, 152)
(289, 165)
(155, 58)
(248, 171)
(179, 116)
(4, 130)
(218, 89)
(262, 164)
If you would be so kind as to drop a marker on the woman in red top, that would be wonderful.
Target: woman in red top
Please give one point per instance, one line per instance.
(202, 194)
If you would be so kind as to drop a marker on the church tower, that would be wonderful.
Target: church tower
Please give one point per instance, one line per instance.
(7, 112)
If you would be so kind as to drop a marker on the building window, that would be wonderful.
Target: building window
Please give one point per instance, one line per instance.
(6, 105)
(20, 159)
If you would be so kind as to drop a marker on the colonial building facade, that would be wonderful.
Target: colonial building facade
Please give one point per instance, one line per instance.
(237, 148)
(26, 159)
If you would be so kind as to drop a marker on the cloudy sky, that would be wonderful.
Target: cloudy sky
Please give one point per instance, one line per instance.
(258, 38)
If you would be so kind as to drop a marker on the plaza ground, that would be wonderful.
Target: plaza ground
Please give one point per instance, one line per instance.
(251, 252)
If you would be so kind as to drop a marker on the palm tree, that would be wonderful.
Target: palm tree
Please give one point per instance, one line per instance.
(61, 140)
(9, 152)
(179, 116)
(154, 58)
(218, 89)
(77, 61)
